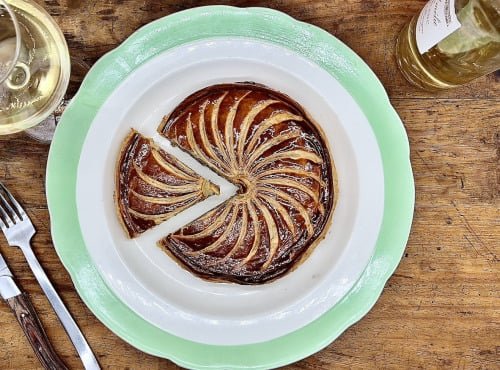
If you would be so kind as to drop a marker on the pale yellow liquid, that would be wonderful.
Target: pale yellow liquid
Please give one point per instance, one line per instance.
(470, 52)
(37, 85)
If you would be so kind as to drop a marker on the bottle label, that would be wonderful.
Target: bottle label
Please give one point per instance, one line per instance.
(436, 21)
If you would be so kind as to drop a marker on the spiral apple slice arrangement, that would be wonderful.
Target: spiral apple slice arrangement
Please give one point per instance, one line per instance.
(153, 186)
(257, 139)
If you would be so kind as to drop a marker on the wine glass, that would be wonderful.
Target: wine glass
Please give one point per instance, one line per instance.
(10, 45)
(44, 131)
(35, 65)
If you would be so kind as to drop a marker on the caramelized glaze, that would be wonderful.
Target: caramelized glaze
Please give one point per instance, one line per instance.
(152, 185)
(263, 142)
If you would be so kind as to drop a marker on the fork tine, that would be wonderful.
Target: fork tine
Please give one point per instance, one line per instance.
(8, 209)
(2, 225)
(3, 214)
(20, 211)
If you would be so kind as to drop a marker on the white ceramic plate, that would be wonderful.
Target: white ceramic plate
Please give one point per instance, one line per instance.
(152, 284)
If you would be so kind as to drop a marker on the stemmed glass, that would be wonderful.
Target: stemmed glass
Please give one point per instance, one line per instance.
(10, 47)
(35, 65)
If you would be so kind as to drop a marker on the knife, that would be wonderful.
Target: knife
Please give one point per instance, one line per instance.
(28, 319)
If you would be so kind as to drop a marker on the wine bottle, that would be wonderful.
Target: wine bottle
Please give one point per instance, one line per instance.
(450, 43)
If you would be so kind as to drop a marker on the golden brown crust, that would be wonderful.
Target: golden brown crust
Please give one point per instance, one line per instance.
(262, 141)
(153, 186)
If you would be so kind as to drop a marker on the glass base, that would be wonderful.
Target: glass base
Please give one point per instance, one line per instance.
(44, 131)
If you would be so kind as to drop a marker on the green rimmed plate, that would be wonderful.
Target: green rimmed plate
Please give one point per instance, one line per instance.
(277, 28)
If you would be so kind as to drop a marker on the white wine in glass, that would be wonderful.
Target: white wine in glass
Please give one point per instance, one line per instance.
(35, 58)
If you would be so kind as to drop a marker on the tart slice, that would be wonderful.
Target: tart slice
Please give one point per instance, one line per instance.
(153, 186)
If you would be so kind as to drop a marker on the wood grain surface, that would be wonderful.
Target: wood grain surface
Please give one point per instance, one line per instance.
(441, 308)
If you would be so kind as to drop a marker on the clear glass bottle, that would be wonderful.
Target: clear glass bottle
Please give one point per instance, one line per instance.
(450, 43)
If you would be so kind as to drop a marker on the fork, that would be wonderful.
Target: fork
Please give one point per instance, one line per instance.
(18, 230)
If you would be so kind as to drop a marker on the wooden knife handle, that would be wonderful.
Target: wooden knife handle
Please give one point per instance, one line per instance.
(29, 321)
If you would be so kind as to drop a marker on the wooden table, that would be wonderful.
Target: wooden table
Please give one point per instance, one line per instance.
(441, 309)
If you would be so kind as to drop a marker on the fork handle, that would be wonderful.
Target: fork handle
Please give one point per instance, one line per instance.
(82, 347)
(29, 321)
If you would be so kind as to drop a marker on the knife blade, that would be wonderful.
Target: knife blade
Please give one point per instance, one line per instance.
(8, 287)
(27, 317)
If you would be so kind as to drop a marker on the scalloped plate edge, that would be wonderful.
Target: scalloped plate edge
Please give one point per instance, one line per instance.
(273, 26)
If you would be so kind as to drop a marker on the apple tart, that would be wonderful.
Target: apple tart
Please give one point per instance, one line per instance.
(153, 186)
(263, 142)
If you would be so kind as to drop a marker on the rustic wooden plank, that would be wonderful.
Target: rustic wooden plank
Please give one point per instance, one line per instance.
(439, 310)
(95, 27)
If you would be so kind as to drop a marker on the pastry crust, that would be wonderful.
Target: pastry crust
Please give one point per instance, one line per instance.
(263, 142)
(153, 186)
